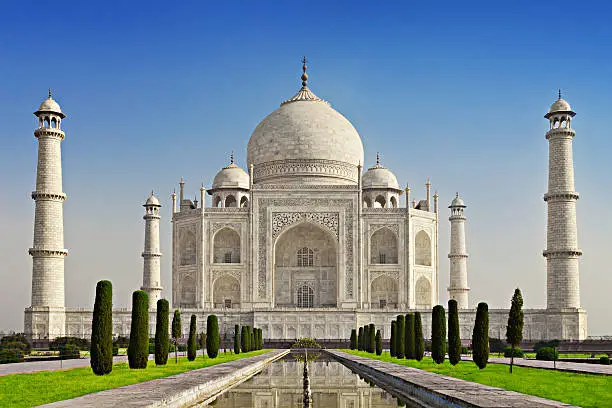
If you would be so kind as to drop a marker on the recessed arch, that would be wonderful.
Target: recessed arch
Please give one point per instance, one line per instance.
(230, 201)
(244, 202)
(393, 202)
(226, 292)
(187, 247)
(380, 202)
(319, 271)
(383, 247)
(423, 293)
(367, 202)
(226, 246)
(217, 201)
(422, 249)
(384, 292)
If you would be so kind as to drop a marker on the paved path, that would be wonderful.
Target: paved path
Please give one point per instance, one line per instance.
(55, 365)
(582, 368)
(437, 390)
(177, 390)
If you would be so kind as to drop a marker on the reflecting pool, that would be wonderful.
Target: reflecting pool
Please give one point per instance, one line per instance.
(281, 385)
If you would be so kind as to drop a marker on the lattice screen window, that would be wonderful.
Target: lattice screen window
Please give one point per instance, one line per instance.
(305, 257)
(305, 296)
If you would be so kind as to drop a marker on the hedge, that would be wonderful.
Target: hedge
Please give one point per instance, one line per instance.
(547, 354)
(517, 352)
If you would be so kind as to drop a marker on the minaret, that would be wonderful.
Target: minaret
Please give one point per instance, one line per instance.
(48, 248)
(458, 288)
(151, 275)
(562, 253)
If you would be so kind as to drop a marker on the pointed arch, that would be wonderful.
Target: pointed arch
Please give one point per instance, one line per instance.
(380, 202)
(226, 246)
(367, 202)
(422, 249)
(383, 247)
(187, 247)
(244, 202)
(226, 292)
(384, 292)
(422, 292)
(230, 201)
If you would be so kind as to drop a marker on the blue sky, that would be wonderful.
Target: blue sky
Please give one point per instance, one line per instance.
(451, 91)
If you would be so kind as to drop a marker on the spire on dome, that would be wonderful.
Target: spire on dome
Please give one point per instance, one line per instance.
(50, 94)
(304, 94)
(377, 159)
(559, 94)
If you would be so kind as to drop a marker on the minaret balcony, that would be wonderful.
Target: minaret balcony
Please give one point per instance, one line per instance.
(562, 253)
(561, 196)
(51, 132)
(43, 195)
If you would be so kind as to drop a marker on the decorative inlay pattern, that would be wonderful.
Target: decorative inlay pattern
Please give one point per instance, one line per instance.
(280, 221)
(262, 251)
(376, 227)
(220, 225)
(377, 274)
(305, 167)
(233, 273)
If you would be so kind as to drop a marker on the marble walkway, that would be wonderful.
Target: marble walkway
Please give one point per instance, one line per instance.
(177, 390)
(439, 390)
(581, 368)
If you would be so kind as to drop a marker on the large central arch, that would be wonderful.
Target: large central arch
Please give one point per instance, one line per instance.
(305, 255)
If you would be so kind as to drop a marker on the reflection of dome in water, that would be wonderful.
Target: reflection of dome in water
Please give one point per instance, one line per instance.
(305, 141)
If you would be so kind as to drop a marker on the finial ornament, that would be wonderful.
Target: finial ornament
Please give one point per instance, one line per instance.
(457, 195)
(50, 94)
(182, 181)
(152, 193)
(304, 74)
(377, 158)
(232, 158)
(559, 93)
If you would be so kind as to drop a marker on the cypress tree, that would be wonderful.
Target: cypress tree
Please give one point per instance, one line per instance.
(438, 334)
(212, 336)
(514, 330)
(161, 332)
(392, 339)
(400, 330)
(419, 341)
(454, 336)
(409, 336)
(260, 331)
(102, 330)
(243, 340)
(366, 338)
(353, 339)
(372, 339)
(202, 342)
(177, 331)
(192, 341)
(480, 336)
(138, 349)
(252, 346)
(360, 339)
(237, 339)
(255, 339)
(378, 343)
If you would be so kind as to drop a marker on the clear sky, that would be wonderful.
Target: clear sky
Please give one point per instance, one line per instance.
(451, 91)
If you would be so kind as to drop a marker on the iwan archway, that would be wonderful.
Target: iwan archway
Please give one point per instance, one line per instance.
(305, 267)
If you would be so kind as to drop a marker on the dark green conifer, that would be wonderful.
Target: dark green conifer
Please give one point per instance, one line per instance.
(101, 350)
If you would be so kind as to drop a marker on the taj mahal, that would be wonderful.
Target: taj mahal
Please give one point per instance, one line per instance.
(309, 240)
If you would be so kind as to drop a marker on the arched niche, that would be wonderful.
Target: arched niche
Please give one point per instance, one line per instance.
(230, 201)
(226, 246)
(367, 202)
(393, 202)
(293, 251)
(384, 292)
(226, 292)
(422, 292)
(383, 247)
(187, 247)
(217, 201)
(188, 291)
(244, 202)
(422, 249)
(380, 202)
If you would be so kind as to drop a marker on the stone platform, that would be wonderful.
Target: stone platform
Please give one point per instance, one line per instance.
(435, 390)
(177, 390)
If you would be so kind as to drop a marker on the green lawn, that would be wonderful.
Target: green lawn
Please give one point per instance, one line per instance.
(27, 390)
(585, 390)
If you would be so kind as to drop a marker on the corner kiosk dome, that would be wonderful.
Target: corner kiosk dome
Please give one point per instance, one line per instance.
(49, 105)
(379, 177)
(560, 106)
(457, 202)
(152, 200)
(305, 141)
(231, 176)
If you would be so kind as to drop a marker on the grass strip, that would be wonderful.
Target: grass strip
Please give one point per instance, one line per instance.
(27, 390)
(585, 390)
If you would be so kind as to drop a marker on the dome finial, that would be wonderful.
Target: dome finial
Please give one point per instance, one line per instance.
(304, 74)
(559, 93)
(50, 94)
(232, 158)
(377, 158)
(457, 195)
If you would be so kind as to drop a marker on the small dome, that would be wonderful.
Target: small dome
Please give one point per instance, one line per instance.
(457, 202)
(560, 105)
(379, 177)
(152, 200)
(50, 105)
(231, 176)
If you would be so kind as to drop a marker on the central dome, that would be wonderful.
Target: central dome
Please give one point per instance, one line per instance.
(305, 141)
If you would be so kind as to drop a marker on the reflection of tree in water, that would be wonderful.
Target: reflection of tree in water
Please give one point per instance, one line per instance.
(307, 393)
